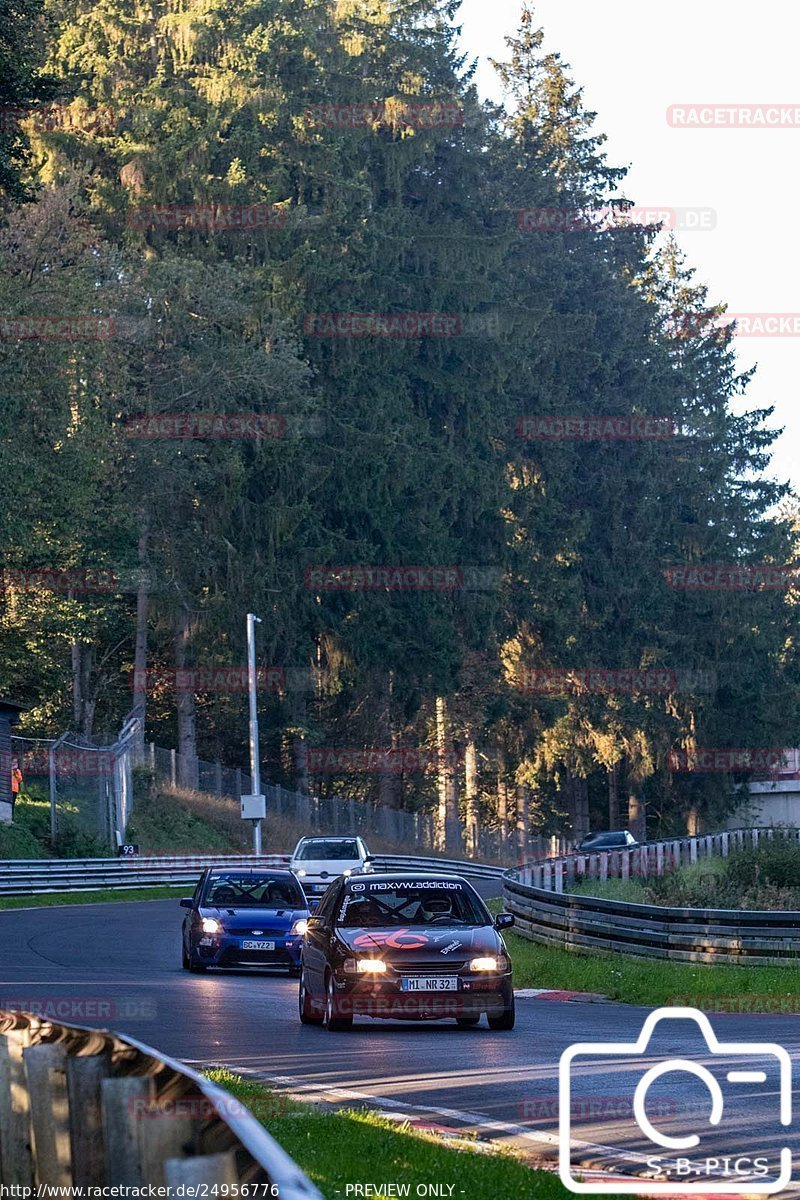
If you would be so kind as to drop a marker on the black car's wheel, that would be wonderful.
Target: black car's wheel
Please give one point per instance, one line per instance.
(334, 1024)
(467, 1022)
(184, 958)
(505, 1020)
(308, 1014)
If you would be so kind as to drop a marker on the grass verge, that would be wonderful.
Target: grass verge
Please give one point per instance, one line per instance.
(102, 897)
(352, 1146)
(652, 981)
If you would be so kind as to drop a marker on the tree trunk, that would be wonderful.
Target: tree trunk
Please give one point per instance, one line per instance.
(471, 795)
(140, 645)
(88, 693)
(613, 797)
(299, 741)
(447, 824)
(523, 817)
(187, 728)
(578, 803)
(389, 780)
(77, 683)
(502, 801)
(637, 822)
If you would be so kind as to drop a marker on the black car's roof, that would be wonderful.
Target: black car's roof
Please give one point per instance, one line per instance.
(405, 877)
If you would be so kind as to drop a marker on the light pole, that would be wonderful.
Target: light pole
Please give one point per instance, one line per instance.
(255, 768)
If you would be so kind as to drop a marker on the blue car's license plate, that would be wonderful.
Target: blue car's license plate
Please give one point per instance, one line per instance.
(250, 945)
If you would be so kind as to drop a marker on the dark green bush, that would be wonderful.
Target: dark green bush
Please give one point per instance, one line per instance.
(774, 863)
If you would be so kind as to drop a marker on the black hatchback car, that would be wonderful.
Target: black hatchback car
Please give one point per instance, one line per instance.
(610, 839)
(407, 947)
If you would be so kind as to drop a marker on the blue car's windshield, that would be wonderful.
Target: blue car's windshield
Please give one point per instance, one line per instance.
(244, 890)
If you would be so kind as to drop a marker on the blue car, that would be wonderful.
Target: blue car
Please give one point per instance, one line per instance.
(241, 918)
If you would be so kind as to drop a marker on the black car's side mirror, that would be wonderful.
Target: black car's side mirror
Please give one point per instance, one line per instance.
(504, 920)
(187, 902)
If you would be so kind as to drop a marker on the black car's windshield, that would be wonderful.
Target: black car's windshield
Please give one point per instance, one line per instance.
(243, 890)
(435, 902)
(328, 851)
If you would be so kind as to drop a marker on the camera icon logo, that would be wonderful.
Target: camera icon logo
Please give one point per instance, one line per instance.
(708, 1183)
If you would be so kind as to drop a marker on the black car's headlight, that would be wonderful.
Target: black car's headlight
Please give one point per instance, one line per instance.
(364, 966)
(489, 962)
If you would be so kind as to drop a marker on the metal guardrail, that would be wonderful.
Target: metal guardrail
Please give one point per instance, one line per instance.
(87, 1108)
(590, 924)
(649, 858)
(469, 869)
(34, 877)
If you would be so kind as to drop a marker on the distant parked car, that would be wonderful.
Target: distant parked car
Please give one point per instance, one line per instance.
(241, 918)
(317, 861)
(614, 839)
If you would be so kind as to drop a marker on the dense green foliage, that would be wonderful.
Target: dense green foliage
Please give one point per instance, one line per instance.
(397, 450)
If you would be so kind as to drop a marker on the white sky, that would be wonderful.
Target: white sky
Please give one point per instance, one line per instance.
(633, 61)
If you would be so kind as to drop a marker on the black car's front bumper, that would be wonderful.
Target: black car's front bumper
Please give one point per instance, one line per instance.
(476, 994)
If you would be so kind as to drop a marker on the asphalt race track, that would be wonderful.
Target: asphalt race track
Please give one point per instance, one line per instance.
(118, 966)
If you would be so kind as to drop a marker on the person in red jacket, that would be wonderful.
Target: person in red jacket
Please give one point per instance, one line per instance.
(16, 782)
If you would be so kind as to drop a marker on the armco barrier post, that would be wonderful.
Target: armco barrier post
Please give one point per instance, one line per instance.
(84, 1078)
(46, 1073)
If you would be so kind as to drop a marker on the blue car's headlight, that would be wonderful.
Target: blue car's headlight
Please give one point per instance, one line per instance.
(211, 925)
(299, 927)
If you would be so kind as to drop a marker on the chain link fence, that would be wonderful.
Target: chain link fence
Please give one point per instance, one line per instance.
(84, 788)
(412, 831)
